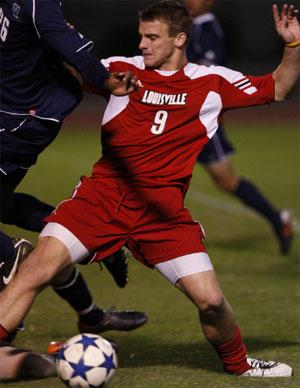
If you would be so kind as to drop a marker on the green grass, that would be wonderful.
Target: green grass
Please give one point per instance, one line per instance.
(262, 286)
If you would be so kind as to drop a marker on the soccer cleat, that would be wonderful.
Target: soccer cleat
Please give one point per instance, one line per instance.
(115, 320)
(285, 233)
(55, 346)
(261, 368)
(117, 265)
(9, 268)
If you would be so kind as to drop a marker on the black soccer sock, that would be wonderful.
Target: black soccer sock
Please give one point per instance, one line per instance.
(252, 197)
(7, 248)
(28, 212)
(77, 294)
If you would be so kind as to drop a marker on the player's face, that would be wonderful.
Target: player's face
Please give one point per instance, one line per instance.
(198, 7)
(159, 49)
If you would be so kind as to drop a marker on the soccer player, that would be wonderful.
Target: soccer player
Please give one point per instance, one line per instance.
(37, 93)
(18, 364)
(135, 196)
(207, 46)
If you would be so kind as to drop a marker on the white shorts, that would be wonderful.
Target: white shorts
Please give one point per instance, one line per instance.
(75, 247)
(176, 269)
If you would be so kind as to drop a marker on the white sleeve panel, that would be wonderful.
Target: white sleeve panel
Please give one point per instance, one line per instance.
(115, 106)
(209, 113)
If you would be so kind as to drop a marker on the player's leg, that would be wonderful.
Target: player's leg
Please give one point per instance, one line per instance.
(16, 364)
(215, 159)
(49, 258)
(226, 179)
(70, 285)
(191, 274)
(12, 250)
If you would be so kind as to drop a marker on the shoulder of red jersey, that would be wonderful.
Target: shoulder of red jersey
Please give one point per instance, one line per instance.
(194, 71)
(236, 78)
(119, 63)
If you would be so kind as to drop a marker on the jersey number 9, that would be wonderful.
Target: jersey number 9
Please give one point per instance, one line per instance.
(160, 120)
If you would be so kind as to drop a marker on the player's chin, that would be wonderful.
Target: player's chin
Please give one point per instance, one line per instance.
(149, 61)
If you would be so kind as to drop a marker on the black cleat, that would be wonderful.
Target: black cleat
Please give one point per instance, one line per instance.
(9, 268)
(115, 320)
(285, 233)
(117, 265)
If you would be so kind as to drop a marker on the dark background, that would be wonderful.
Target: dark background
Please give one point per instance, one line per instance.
(252, 42)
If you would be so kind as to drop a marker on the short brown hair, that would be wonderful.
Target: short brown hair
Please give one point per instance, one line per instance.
(173, 12)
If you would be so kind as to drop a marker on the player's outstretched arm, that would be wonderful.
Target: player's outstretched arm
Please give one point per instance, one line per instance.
(288, 72)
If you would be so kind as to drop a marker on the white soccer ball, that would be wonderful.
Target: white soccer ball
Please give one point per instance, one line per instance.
(86, 360)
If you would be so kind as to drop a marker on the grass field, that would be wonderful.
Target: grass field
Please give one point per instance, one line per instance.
(262, 286)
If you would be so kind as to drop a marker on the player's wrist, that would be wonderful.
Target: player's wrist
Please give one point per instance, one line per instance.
(296, 43)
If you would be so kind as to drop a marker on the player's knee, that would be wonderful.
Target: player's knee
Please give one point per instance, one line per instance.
(211, 304)
(227, 184)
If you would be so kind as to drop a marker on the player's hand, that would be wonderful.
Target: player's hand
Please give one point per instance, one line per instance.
(286, 23)
(121, 84)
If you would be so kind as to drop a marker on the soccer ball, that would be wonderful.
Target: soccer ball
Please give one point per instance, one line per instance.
(86, 360)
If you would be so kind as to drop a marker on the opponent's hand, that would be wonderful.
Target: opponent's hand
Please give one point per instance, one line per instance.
(121, 84)
(286, 23)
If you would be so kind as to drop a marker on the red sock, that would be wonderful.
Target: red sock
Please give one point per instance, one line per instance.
(3, 333)
(233, 354)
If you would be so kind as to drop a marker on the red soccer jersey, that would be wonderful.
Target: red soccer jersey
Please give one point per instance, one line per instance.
(154, 135)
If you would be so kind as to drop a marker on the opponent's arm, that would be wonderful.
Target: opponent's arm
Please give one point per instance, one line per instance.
(118, 83)
(59, 35)
(288, 72)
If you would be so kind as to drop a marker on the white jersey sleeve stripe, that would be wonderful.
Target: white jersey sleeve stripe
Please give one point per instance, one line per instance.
(243, 86)
(88, 45)
(250, 90)
(239, 83)
(33, 19)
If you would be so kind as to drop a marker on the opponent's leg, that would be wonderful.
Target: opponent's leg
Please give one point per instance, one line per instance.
(70, 285)
(223, 174)
(16, 364)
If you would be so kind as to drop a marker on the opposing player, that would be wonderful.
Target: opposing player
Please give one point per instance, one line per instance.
(19, 364)
(207, 46)
(151, 140)
(37, 93)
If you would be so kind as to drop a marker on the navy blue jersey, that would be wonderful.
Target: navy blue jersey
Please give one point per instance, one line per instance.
(35, 39)
(206, 45)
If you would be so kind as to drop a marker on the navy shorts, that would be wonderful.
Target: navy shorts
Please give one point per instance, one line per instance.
(23, 138)
(217, 149)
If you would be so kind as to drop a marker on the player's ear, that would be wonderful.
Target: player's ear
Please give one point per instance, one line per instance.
(181, 39)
